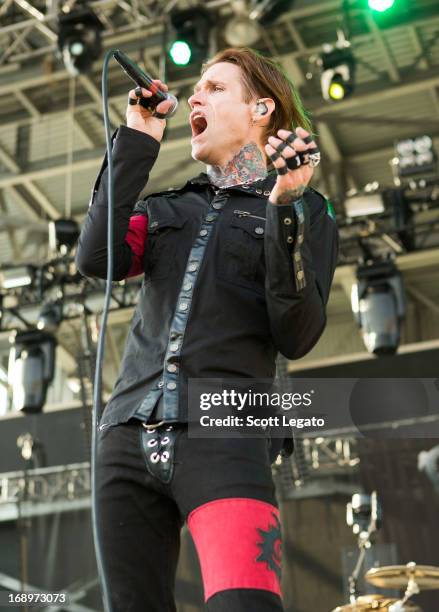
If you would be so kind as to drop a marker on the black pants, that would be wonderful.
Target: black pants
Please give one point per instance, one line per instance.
(150, 483)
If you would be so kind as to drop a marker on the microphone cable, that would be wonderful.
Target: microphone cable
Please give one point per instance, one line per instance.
(97, 390)
(144, 80)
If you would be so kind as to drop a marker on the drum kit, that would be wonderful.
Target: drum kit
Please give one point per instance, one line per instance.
(364, 515)
(411, 577)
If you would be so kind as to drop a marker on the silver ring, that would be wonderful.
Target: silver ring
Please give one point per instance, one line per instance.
(314, 159)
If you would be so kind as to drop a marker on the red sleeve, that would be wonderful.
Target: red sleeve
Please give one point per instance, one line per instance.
(136, 238)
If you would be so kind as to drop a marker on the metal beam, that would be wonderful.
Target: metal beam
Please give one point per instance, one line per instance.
(8, 161)
(422, 298)
(82, 162)
(381, 43)
(23, 202)
(39, 17)
(28, 104)
(10, 231)
(380, 95)
(115, 117)
(49, 208)
(325, 362)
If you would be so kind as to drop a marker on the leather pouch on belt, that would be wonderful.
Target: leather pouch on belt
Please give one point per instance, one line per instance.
(158, 446)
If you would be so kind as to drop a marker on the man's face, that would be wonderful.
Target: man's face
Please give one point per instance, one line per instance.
(220, 119)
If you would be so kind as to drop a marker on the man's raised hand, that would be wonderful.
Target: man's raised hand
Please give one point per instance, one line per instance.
(294, 156)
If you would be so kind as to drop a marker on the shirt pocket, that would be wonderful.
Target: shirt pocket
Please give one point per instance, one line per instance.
(242, 252)
(164, 233)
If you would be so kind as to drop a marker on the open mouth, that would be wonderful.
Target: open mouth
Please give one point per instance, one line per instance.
(198, 125)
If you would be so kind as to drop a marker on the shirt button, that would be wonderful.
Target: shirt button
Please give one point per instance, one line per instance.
(174, 346)
(297, 256)
(187, 286)
(287, 220)
(193, 267)
(210, 218)
(171, 386)
(259, 230)
(217, 205)
(300, 275)
(160, 384)
(183, 306)
(203, 232)
(171, 368)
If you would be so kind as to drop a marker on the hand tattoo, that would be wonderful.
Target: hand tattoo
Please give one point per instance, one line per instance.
(290, 195)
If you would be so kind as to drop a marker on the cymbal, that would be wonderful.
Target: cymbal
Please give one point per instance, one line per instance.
(366, 603)
(397, 576)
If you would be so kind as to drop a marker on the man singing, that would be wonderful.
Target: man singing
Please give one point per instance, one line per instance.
(237, 266)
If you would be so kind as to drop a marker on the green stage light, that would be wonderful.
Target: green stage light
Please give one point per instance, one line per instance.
(180, 53)
(381, 5)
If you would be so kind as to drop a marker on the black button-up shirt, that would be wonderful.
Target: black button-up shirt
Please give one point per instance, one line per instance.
(229, 279)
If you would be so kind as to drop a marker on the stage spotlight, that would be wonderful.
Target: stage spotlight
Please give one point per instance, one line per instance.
(415, 156)
(31, 369)
(188, 36)
(241, 31)
(180, 53)
(380, 5)
(379, 305)
(338, 73)
(79, 39)
(15, 277)
(50, 316)
(63, 235)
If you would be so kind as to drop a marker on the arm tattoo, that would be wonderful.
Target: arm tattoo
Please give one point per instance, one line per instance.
(291, 195)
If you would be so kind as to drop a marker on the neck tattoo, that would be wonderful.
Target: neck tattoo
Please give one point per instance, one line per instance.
(246, 166)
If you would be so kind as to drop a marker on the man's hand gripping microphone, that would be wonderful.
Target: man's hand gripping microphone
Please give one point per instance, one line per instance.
(143, 80)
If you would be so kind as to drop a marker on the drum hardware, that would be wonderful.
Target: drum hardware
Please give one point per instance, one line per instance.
(363, 514)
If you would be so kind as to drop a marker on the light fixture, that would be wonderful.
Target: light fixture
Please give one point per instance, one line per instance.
(241, 31)
(15, 277)
(362, 205)
(63, 235)
(380, 5)
(338, 75)
(338, 65)
(50, 316)
(31, 369)
(415, 156)
(79, 39)
(180, 53)
(379, 305)
(188, 36)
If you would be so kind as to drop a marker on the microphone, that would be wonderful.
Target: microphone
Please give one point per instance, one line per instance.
(141, 79)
